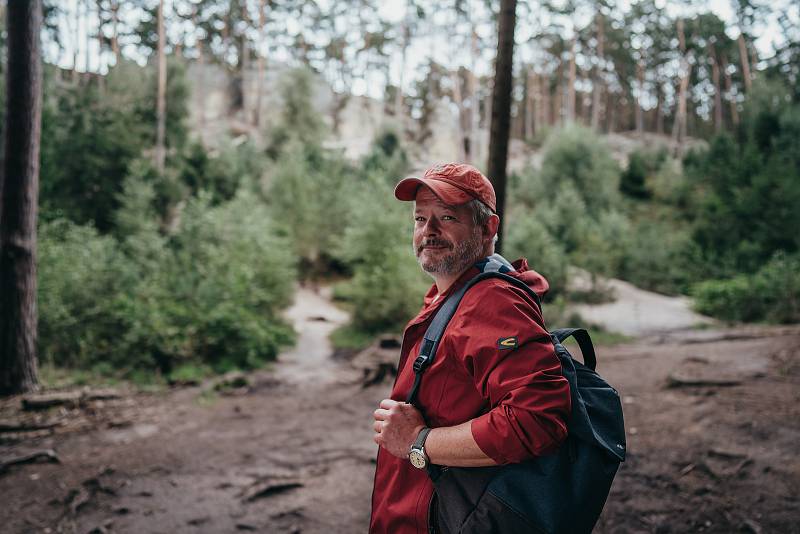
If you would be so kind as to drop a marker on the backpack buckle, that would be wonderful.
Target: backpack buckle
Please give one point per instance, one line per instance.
(420, 363)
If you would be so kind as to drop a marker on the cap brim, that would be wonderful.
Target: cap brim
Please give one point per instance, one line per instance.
(449, 194)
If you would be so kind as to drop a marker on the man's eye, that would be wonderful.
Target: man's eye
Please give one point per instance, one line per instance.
(419, 219)
(448, 218)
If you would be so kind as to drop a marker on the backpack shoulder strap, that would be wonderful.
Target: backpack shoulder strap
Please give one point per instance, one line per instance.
(433, 334)
(584, 342)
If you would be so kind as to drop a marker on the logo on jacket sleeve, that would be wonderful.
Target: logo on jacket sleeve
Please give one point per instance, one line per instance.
(507, 343)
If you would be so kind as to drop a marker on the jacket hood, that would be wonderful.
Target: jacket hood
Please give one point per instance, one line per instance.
(519, 269)
(534, 280)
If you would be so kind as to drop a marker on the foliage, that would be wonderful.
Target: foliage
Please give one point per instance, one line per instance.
(209, 294)
(749, 190)
(529, 238)
(770, 294)
(298, 120)
(90, 136)
(569, 212)
(576, 156)
(642, 166)
(387, 286)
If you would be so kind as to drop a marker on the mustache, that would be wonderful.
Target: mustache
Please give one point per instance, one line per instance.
(433, 242)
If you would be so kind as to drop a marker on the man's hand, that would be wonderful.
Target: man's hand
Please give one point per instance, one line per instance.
(396, 426)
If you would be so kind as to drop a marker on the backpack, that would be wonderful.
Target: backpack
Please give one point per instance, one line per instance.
(561, 493)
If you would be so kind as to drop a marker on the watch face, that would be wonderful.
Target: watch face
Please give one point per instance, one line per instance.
(417, 459)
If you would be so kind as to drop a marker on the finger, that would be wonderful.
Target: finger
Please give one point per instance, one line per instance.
(380, 414)
(377, 439)
(388, 404)
(378, 426)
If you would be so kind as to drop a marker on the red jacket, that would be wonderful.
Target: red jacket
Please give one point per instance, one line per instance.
(518, 398)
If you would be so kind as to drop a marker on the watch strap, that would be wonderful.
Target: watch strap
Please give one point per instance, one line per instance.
(419, 443)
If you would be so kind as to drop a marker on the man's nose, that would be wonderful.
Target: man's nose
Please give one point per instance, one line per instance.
(431, 226)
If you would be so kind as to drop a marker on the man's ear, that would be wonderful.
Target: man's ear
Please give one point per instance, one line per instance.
(491, 226)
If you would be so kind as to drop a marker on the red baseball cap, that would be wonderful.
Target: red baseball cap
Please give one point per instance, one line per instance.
(453, 183)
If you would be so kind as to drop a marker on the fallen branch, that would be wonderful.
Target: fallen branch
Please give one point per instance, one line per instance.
(48, 455)
(270, 488)
(27, 427)
(674, 381)
(67, 398)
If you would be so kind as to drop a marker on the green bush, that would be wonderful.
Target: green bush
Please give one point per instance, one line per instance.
(528, 237)
(577, 156)
(634, 178)
(771, 294)
(209, 294)
(82, 276)
(387, 285)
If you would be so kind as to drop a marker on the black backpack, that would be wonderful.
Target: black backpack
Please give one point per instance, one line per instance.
(561, 493)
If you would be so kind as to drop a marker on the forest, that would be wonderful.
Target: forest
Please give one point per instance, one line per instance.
(146, 264)
(204, 163)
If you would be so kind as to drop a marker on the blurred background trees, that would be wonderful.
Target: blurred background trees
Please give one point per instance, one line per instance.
(653, 141)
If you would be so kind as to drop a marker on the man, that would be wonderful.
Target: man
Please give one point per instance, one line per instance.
(494, 393)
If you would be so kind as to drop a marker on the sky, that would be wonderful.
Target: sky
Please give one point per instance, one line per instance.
(442, 48)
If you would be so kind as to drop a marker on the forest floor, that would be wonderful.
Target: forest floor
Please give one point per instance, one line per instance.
(712, 420)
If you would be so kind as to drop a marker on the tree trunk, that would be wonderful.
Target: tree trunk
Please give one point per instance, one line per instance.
(571, 84)
(679, 126)
(717, 87)
(115, 30)
(472, 85)
(161, 103)
(455, 79)
(729, 90)
(501, 107)
(659, 109)
(531, 104)
(640, 93)
(558, 96)
(597, 89)
(262, 23)
(748, 81)
(19, 192)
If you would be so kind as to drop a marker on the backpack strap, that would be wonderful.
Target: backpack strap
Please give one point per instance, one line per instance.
(584, 342)
(433, 335)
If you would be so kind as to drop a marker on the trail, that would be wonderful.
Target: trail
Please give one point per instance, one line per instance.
(292, 451)
(636, 312)
(314, 317)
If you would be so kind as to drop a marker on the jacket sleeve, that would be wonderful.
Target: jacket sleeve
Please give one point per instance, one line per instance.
(527, 396)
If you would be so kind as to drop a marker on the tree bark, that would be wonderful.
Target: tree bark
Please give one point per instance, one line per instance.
(161, 103)
(729, 90)
(717, 87)
(501, 107)
(262, 23)
(571, 84)
(597, 89)
(748, 81)
(639, 109)
(115, 30)
(19, 191)
(679, 126)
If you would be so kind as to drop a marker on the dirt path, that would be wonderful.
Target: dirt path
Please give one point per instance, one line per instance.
(292, 451)
(636, 312)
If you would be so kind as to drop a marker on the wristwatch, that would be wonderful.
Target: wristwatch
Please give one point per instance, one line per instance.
(417, 455)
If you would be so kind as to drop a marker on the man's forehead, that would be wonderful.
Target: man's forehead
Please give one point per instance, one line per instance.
(426, 197)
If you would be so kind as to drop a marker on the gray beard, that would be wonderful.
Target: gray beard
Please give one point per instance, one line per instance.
(463, 255)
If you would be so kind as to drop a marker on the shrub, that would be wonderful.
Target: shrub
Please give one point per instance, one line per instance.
(577, 156)
(387, 287)
(770, 294)
(210, 294)
(81, 278)
(528, 237)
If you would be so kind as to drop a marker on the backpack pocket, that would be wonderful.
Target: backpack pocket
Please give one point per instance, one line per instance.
(461, 504)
